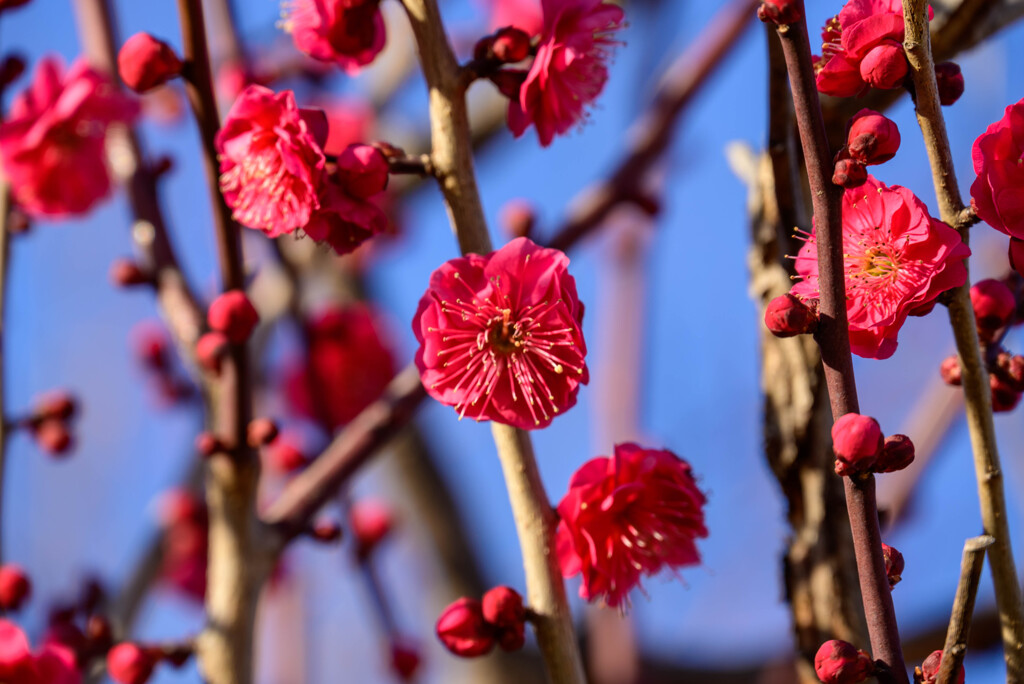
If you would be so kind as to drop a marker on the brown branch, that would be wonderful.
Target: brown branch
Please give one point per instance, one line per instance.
(5, 257)
(977, 394)
(963, 608)
(834, 341)
(653, 133)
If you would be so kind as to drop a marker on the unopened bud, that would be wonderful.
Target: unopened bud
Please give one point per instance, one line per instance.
(326, 531)
(211, 349)
(362, 171)
(950, 81)
(15, 587)
(261, 432)
(59, 405)
(503, 606)
(894, 564)
(463, 630)
(510, 45)
(127, 273)
(872, 138)
(53, 437)
(993, 303)
(930, 670)
(145, 63)
(1004, 397)
(130, 663)
(950, 371)
(857, 442)
(782, 12)
(885, 65)
(1012, 369)
(207, 444)
(839, 662)
(234, 315)
(897, 454)
(405, 661)
(371, 521)
(850, 173)
(788, 315)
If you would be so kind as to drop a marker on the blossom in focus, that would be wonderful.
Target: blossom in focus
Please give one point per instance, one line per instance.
(862, 47)
(626, 517)
(998, 192)
(570, 69)
(897, 258)
(349, 33)
(525, 15)
(348, 366)
(500, 335)
(271, 160)
(52, 144)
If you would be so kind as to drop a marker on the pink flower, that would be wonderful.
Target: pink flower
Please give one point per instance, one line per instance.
(271, 160)
(53, 664)
(570, 69)
(351, 121)
(862, 47)
(349, 33)
(525, 15)
(52, 143)
(347, 368)
(629, 516)
(998, 192)
(897, 258)
(500, 336)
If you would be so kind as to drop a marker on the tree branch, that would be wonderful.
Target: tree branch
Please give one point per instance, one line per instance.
(834, 341)
(977, 393)
(963, 608)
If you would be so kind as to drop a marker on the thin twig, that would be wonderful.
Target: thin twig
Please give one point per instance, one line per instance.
(834, 341)
(5, 256)
(963, 608)
(977, 394)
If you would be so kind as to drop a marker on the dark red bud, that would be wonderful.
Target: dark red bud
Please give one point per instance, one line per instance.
(510, 45)
(839, 662)
(261, 432)
(362, 171)
(482, 50)
(950, 81)
(894, 564)
(1004, 397)
(503, 606)
(509, 82)
(145, 63)
(1012, 369)
(850, 173)
(994, 304)
(127, 273)
(897, 454)
(511, 638)
(405, 661)
(781, 12)
(463, 631)
(788, 315)
(884, 66)
(234, 315)
(857, 442)
(15, 587)
(872, 138)
(950, 370)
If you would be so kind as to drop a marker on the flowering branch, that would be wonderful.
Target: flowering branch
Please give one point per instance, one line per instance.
(237, 563)
(833, 339)
(535, 519)
(977, 392)
(963, 608)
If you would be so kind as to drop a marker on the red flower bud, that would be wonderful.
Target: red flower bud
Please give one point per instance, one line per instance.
(362, 170)
(463, 631)
(787, 316)
(950, 81)
(53, 437)
(151, 345)
(897, 454)
(261, 432)
(326, 531)
(850, 173)
(838, 662)
(885, 66)
(1017, 255)
(518, 218)
(503, 606)
(512, 638)
(781, 12)
(207, 445)
(994, 304)
(872, 138)
(15, 587)
(145, 63)
(59, 405)
(930, 670)
(285, 457)
(127, 273)
(234, 315)
(1004, 397)
(1012, 370)
(370, 521)
(894, 564)
(950, 370)
(857, 441)
(130, 663)
(405, 661)
(210, 351)
(510, 45)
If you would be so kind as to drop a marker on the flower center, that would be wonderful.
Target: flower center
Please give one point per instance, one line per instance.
(503, 335)
(880, 262)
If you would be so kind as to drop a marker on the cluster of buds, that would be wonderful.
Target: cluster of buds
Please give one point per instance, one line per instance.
(840, 662)
(861, 448)
(49, 422)
(928, 672)
(152, 346)
(781, 12)
(133, 663)
(232, 319)
(996, 310)
(871, 139)
(145, 63)
(470, 628)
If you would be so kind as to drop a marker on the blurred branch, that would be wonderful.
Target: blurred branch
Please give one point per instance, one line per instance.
(977, 393)
(5, 258)
(963, 608)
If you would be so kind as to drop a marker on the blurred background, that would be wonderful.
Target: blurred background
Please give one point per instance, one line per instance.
(672, 330)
